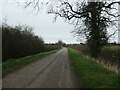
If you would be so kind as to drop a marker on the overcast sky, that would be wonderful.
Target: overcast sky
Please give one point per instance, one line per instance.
(42, 23)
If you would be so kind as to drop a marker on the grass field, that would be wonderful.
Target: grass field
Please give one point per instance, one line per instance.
(113, 47)
(13, 64)
(91, 74)
(109, 54)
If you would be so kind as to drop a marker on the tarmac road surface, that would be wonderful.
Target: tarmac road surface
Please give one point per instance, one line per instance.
(54, 71)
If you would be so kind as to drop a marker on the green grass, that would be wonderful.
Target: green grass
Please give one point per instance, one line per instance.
(13, 64)
(91, 74)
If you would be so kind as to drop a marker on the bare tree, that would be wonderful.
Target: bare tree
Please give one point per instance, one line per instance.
(89, 18)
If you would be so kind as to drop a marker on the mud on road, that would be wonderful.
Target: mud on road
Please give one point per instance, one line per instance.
(54, 71)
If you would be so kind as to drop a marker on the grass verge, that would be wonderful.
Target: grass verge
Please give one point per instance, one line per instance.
(91, 74)
(13, 64)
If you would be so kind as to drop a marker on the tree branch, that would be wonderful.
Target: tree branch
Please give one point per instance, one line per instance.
(109, 5)
(111, 34)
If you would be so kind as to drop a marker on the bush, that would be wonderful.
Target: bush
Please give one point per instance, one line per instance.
(20, 41)
(109, 55)
(49, 47)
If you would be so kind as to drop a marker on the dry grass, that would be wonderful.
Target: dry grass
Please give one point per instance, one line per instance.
(109, 56)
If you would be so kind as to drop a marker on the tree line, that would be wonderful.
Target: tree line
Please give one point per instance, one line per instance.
(20, 41)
